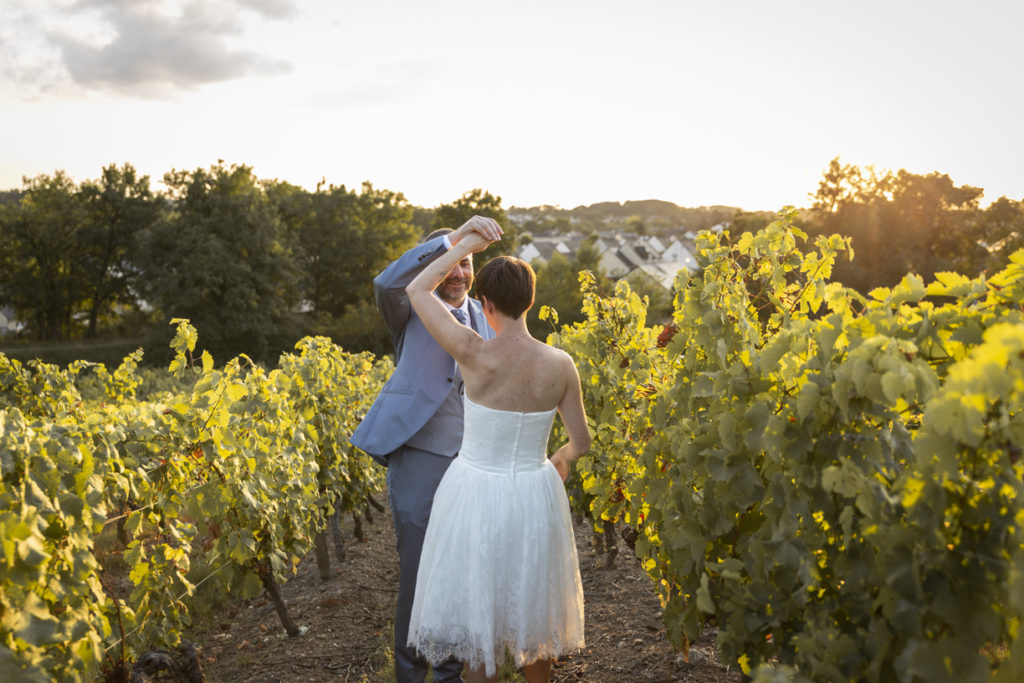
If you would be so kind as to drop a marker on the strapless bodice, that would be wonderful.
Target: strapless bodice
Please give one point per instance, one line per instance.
(504, 441)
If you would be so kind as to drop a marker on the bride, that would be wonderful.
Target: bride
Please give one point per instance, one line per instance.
(499, 567)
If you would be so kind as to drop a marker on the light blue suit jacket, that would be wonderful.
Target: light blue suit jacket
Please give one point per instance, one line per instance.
(424, 372)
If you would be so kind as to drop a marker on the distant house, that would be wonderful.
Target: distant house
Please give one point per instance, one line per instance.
(8, 322)
(519, 217)
(632, 255)
(615, 265)
(664, 272)
(677, 253)
(621, 253)
(654, 245)
(538, 250)
(541, 247)
(530, 253)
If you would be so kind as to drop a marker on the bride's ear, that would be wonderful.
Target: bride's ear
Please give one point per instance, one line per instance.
(486, 305)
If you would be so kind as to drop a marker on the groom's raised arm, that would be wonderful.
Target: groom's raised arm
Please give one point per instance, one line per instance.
(389, 286)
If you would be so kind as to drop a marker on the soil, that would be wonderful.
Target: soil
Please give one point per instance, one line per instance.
(347, 624)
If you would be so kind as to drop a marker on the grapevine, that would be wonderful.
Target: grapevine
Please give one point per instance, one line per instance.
(237, 471)
(834, 479)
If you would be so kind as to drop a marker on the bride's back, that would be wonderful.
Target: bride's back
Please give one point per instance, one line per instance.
(518, 374)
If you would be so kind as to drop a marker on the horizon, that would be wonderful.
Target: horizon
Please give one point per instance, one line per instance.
(158, 185)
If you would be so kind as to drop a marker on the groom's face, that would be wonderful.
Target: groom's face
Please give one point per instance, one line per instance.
(456, 285)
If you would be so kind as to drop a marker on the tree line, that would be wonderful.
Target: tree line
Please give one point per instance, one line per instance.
(902, 222)
(255, 264)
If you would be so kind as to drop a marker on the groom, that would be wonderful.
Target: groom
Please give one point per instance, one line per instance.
(414, 427)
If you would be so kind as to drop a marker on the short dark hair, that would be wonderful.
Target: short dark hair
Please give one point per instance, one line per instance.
(437, 233)
(509, 283)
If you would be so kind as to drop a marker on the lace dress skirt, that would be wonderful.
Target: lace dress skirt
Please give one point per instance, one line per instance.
(499, 567)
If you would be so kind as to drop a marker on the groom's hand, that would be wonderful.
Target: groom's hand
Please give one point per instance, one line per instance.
(487, 228)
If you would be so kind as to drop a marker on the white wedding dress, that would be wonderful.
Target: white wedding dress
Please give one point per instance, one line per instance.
(499, 566)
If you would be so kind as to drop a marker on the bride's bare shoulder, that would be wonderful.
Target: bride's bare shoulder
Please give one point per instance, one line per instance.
(560, 358)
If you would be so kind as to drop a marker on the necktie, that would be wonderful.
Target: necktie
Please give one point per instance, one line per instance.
(459, 315)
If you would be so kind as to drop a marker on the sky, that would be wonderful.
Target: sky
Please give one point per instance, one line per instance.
(557, 102)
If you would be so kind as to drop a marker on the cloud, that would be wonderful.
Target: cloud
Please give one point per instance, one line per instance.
(271, 9)
(154, 47)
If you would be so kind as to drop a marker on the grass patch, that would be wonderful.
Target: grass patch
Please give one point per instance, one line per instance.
(110, 352)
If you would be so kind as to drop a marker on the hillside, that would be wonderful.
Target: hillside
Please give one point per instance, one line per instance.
(651, 216)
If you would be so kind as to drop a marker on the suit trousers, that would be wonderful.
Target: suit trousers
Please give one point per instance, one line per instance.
(412, 477)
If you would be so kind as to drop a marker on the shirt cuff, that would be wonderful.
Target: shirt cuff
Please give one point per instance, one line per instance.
(447, 242)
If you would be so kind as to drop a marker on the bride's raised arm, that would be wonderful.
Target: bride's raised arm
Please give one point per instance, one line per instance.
(458, 340)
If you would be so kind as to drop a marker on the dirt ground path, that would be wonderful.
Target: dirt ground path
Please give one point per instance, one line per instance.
(348, 625)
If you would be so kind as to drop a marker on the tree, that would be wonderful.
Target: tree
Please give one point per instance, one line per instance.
(750, 221)
(1001, 231)
(69, 249)
(899, 223)
(637, 225)
(384, 232)
(297, 214)
(341, 240)
(118, 208)
(479, 203)
(422, 218)
(39, 238)
(222, 259)
(937, 223)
